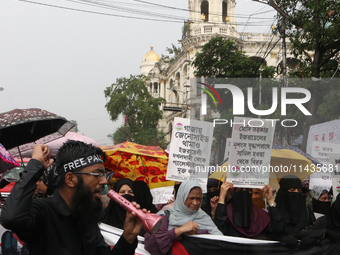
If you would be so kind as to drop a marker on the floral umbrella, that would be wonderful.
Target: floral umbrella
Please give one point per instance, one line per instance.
(22, 128)
(138, 162)
(6, 160)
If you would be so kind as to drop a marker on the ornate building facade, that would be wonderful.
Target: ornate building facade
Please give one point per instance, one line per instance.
(170, 78)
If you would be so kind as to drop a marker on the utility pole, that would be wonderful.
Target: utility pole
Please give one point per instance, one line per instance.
(284, 69)
(284, 53)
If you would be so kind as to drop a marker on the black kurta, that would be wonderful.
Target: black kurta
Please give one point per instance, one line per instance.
(47, 225)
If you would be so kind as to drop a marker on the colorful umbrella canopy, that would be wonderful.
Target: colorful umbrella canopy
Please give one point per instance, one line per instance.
(138, 162)
(28, 126)
(6, 160)
(57, 143)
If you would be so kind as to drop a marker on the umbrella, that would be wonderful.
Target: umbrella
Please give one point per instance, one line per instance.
(57, 143)
(138, 162)
(29, 126)
(6, 160)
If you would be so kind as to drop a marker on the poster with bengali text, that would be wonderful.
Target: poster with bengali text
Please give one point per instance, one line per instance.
(190, 147)
(249, 158)
(321, 151)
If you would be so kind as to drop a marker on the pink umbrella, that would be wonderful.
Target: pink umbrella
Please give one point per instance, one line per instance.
(6, 160)
(56, 144)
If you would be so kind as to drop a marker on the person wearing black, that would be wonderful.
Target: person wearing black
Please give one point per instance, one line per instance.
(326, 227)
(143, 196)
(66, 223)
(293, 210)
(209, 205)
(114, 213)
(236, 215)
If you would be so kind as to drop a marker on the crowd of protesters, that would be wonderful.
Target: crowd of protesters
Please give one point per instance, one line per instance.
(55, 208)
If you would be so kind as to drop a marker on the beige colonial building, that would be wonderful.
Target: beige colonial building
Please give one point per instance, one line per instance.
(170, 79)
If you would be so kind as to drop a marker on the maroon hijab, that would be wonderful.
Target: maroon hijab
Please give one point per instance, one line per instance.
(259, 220)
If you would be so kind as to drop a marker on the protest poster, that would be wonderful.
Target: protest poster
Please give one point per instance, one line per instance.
(162, 195)
(320, 151)
(190, 147)
(327, 132)
(334, 163)
(249, 161)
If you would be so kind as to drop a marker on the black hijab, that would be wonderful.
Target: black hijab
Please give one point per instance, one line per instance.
(212, 183)
(291, 205)
(114, 214)
(143, 196)
(333, 217)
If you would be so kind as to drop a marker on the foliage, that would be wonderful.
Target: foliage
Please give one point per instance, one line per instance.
(314, 31)
(130, 97)
(222, 60)
(173, 50)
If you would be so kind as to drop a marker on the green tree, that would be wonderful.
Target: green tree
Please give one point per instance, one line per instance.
(314, 31)
(130, 97)
(174, 50)
(221, 58)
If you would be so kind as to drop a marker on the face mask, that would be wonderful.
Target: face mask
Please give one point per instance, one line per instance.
(128, 197)
(105, 191)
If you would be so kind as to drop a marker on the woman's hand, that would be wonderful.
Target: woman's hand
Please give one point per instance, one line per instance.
(268, 193)
(224, 190)
(188, 228)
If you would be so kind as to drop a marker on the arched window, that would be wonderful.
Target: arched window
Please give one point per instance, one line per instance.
(171, 84)
(224, 11)
(205, 10)
(155, 87)
(178, 79)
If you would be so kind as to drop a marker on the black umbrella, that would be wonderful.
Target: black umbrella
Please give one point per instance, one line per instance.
(25, 127)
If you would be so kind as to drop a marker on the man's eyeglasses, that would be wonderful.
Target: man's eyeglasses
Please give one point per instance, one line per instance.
(99, 175)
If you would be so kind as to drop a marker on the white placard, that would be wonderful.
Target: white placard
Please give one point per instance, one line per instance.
(162, 195)
(190, 147)
(334, 161)
(250, 154)
(328, 132)
(320, 151)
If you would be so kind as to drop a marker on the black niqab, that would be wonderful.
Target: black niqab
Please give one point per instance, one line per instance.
(242, 205)
(291, 205)
(143, 196)
(114, 214)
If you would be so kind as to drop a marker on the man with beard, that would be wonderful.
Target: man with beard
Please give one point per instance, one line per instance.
(66, 223)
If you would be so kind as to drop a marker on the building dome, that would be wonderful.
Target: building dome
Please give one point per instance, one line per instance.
(151, 56)
(149, 61)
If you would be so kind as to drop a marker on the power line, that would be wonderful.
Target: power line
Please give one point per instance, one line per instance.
(93, 12)
(179, 19)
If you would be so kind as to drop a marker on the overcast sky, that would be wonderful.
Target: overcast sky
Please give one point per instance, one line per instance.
(61, 60)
